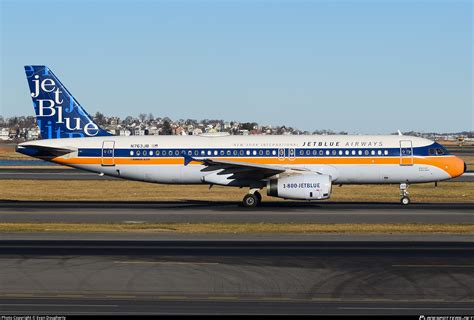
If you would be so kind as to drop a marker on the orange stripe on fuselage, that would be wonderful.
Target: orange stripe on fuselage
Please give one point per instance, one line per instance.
(450, 164)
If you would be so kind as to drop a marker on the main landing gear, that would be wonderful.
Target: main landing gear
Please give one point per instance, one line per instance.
(252, 199)
(405, 200)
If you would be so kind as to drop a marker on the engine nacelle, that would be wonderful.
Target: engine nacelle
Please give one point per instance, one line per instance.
(307, 186)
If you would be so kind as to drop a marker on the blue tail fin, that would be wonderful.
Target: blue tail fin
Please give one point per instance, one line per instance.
(58, 114)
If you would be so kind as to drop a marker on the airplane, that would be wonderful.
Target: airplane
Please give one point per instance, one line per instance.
(299, 167)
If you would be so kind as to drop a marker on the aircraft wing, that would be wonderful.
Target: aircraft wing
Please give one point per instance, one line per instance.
(239, 170)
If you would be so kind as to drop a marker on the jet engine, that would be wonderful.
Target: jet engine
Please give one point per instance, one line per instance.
(306, 186)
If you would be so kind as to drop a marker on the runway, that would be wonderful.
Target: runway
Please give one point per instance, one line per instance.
(231, 212)
(74, 174)
(461, 151)
(230, 277)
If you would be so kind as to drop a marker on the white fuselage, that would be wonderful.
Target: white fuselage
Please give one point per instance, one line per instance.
(346, 159)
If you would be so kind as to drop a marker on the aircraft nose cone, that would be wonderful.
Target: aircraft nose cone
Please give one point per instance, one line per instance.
(454, 166)
(459, 167)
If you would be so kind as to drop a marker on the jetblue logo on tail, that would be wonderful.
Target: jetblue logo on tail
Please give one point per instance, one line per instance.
(58, 114)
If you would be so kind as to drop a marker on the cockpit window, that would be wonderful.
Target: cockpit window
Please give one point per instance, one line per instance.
(437, 150)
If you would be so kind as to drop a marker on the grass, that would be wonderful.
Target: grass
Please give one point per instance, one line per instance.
(7, 152)
(122, 190)
(239, 228)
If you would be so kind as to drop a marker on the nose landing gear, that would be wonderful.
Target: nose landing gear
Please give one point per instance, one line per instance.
(405, 200)
(252, 199)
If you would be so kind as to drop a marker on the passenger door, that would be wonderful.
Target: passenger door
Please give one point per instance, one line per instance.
(108, 153)
(406, 153)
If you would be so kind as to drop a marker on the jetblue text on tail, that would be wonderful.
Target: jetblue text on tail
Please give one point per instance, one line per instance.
(58, 114)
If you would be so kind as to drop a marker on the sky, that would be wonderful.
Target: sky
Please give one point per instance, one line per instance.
(357, 66)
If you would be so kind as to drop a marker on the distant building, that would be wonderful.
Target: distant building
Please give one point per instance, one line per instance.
(125, 132)
(33, 133)
(138, 132)
(244, 132)
(197, 131)
(24, 128)
(5, 134)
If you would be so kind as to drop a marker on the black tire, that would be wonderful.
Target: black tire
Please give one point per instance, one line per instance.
(250, 201)
(405, 201)
(259, 196)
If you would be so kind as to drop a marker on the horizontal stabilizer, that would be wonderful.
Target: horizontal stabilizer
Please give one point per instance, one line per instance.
(42, 151)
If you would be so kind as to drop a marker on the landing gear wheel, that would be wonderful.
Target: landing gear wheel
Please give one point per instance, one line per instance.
(259, 196)
(250, 201)
(405, 201)
(404, 194)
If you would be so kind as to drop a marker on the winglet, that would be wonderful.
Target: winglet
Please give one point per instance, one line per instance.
(400, 133)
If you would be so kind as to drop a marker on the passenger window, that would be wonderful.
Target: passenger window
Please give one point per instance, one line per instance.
(248, 152)
(157, 152)
(439, 151)
(132, 153)
(321, 152)
(274, 152)
(138, 152)
(308, 152)
(301, 152)
(347, 152)
(267, 152)
(235, 152)
(260, 152)
(372, 152)
(385, 152)
(203, 152)
(353, 152)
(366, 152)
(315, 152)
(334, 152)
(176, 153)
(215, 152)
(360, 152)
(196, 152)
(241, 152)
(379, 152)
(209, 152)
(340, 152)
